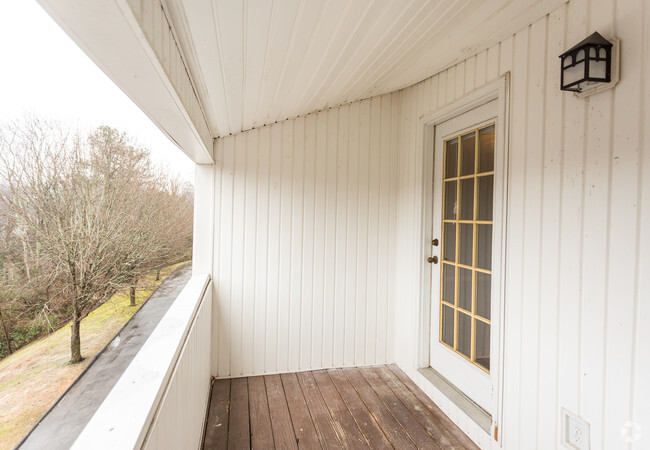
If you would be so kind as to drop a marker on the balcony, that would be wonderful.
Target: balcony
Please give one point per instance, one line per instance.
(165, 399)
(375, 407)
(319, 134)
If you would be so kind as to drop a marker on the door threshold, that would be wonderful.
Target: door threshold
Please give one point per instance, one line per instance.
(480, 416)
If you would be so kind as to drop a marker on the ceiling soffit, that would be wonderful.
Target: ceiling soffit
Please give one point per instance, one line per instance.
(255, 62)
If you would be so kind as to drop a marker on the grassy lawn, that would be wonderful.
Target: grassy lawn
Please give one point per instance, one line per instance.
(33, 378)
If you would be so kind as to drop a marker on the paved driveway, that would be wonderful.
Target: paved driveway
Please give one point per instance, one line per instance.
(59, 428)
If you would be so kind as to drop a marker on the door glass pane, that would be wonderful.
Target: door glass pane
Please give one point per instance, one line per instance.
(451, 158)
(449, 242)
(465, 289)
(464, 334)
(482, 345)
(450, 200)
(484, 197)
(466, 246)
(483, 246)
(447, 334)
(483, 291)
(467, 199)
(468, 146)
(486, 149)
(448, 283)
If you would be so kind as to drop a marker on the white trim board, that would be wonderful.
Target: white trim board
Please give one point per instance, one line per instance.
(111, 35)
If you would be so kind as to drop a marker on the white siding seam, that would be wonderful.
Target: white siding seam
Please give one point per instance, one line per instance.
(541, 218)
(525, 206)
(217, 30)
(643, 132)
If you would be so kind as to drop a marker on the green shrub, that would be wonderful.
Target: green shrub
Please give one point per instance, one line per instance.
(21, 336)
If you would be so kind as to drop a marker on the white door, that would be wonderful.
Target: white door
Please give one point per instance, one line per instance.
(464, 334)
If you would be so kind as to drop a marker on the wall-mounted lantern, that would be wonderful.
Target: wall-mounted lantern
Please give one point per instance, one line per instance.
(589, 66)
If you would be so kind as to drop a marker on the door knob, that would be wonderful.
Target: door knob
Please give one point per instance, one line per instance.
(434, 242)
(432, 259)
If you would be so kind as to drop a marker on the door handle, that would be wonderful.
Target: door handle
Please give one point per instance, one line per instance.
(432, 259)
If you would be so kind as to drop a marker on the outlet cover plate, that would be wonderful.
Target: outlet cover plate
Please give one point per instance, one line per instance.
(575, 431)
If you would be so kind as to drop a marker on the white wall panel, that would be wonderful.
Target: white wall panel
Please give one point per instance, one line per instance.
(179, 420)
(577, 309)
(305, 220)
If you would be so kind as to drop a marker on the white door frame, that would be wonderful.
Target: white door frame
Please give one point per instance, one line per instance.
(499, 90)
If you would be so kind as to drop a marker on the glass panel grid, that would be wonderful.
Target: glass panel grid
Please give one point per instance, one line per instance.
(451, 223)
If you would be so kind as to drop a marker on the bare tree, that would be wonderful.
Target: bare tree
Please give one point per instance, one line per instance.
(162, 222)
(89, 212)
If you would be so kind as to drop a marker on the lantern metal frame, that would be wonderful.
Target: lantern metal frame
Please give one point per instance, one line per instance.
(593, 49)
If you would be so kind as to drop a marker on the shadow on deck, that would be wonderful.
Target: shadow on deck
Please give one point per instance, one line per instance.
(369, 407)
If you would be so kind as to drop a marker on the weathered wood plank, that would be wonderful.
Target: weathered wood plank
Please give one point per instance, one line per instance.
(261, 432)
(238, 430)
(303, 427)
(430, 422)
(377, 407)
(362, 416)
(415, 430)
(283, 435)
(389, 425)
(350, 434)
(216, 430)
(323, 421)
(433, 408)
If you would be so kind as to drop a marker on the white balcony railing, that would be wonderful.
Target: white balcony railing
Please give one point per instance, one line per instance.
(160, 401)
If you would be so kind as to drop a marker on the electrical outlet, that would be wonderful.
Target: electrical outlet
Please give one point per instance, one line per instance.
(575, 431)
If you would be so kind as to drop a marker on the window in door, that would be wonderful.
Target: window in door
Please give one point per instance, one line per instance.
(466, 275)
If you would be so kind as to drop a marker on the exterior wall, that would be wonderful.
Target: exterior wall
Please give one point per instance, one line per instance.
(305, 232)
(578, 248)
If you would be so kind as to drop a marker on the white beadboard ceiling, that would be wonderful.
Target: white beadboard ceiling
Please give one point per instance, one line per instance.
(255, 62)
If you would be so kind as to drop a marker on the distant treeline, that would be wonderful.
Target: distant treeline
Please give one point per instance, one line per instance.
(80, 217)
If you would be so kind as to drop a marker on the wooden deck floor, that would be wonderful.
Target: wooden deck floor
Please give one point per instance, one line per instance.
(370, 407)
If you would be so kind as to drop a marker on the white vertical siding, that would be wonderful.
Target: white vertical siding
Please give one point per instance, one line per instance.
(305, 214)
(577, 305)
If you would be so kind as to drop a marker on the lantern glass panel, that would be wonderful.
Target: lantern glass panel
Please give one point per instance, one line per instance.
(574, 74)
(597, 69)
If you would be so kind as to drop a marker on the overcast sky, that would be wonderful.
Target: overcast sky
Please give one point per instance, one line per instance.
(42, 71)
